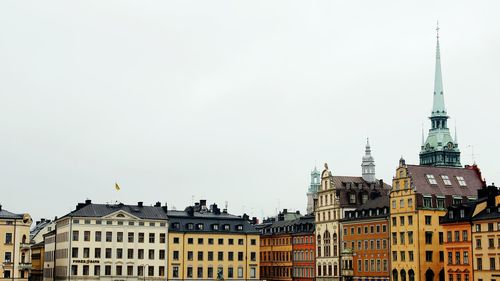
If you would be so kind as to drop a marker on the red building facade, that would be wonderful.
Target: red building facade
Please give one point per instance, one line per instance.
(304, 249)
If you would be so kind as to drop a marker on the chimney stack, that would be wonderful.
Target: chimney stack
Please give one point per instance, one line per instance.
(139, 204)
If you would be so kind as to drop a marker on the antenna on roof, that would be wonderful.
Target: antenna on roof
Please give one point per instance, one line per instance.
(473, 156)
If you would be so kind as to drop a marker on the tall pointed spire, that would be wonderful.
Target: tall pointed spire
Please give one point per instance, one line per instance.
(438, 108)
(439, 149)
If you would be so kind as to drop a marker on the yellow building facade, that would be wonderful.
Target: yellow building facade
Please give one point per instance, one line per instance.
(15, 257)
(486, 238)
(207, 244)
(419, 197)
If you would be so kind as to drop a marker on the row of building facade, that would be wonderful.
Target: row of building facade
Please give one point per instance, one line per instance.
(435, 221)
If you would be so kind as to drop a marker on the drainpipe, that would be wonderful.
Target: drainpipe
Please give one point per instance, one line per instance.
(14, 251)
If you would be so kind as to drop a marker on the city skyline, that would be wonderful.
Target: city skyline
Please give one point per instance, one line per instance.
(246, 115)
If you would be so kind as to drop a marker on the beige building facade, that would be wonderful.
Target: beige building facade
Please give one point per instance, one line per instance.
(15, 256)
(208, 244)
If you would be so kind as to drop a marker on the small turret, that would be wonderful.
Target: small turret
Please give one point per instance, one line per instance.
(368, 164)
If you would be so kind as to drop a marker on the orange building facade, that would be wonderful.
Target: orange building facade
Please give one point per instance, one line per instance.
(365, 246)
(457, 244)
(276, 252)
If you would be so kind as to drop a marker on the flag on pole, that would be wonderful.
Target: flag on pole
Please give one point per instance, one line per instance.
(117, 187)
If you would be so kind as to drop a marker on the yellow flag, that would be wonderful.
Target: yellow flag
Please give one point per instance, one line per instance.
(117, 187)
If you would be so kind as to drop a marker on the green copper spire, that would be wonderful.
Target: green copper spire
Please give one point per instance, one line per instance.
(439, 149)
(438, 108)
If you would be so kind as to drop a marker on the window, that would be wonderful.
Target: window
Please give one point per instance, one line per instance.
(457, 236)
(190, 255)
(97, 270)
(441, 238)
(457, 257)
(428, 220)
(220, 241)
(130, 253)
(86, 253)
(175, 255)
(352, 198)
(140, 254)
(492, 264)
(86, 236)
(130, 237)
(109, 236)
(461, 181)
(151, 237)
(401, 203)
(210, 256)
(428, 237)
(410, 237)
(427, 202)
(253, 242)
(97, 253)
(466, 257)
(491, 243)
(431, 179)
(428, 256)
(440, 203)
(107, 270)
(108, 253)
(74, 269)
(240, 256)
(74, 253)
(394, 221)
(175, 272)
(162, 237)
(200, 255)
(410, 255)
(394, 204)
(478, 243)
(140, 271)
(402, 255)
(410, 202)
(118, 270)
(130, 270)
(8, 238)
(75, 235)
(450, 257)
(402, 220)
(478, 227)
(479, 264)
(199, 272)
(220, 256)
(190, 240)
(119, 253)
(446, 180)
(210, 272)
(141, 237)
(253, 272)
(151, 270)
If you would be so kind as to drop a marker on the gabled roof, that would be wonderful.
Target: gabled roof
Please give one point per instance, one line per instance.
(344, 184)
(101, 210)
(471, 175)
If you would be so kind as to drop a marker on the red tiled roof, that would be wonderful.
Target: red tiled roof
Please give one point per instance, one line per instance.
(471, 176)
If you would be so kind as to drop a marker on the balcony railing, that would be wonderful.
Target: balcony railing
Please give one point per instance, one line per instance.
(25, 265)
(347, 272)
(25, 245)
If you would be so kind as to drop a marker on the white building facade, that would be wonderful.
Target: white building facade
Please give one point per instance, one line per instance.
(108, 242)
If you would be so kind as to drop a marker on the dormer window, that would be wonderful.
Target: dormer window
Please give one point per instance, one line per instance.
(215, 227)
(462, 213)
(199, 226)
(239, 227)
(190, 226)
(364, 198)
(461, 181)
(175, 225)
(352, 198)
(450, 215)
(446, 180)
(226, 227)
(431, 179)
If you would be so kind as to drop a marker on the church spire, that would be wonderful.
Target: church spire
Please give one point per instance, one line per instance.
(438, 108)
(368, 164)
(439, 149)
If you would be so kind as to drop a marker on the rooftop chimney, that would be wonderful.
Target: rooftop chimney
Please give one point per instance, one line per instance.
(158, 204)
(0, 207)
(88, 202)
(139, 204)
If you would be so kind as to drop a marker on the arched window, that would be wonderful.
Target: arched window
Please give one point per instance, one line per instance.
(429, 275)
(335, 243)
(318, 243)
(394, 275)
(411, 275)
(403, 275)
(326, 239)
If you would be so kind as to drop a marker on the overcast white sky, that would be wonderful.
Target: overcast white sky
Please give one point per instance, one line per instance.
(231, 100)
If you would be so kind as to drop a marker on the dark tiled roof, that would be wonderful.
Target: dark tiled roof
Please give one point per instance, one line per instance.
(347, 184)
(471, 176)
(100, 210)
(488, 214)
(179, 221)
(379, 202)
(4, 214)
(468, 211)
(288, 227)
